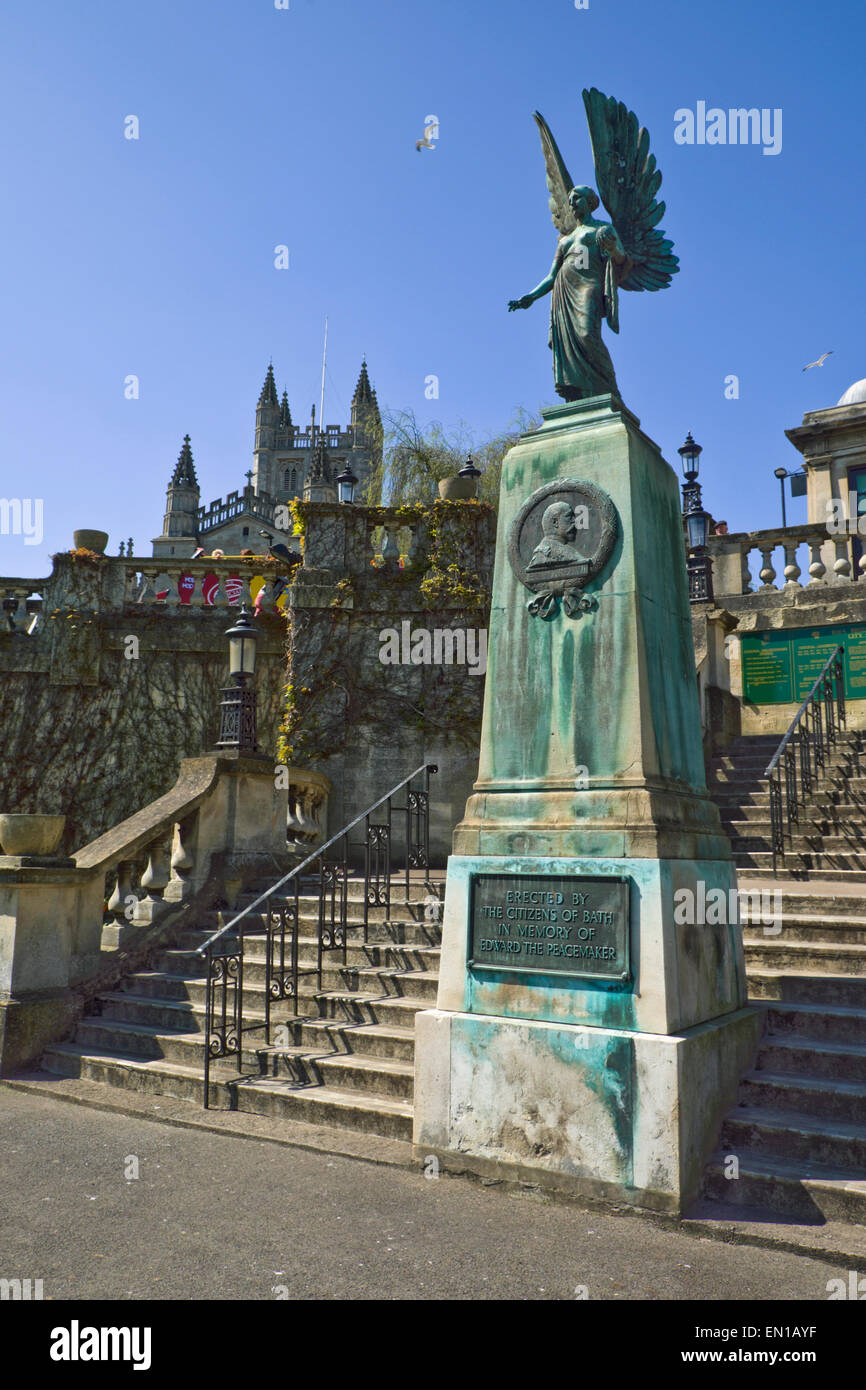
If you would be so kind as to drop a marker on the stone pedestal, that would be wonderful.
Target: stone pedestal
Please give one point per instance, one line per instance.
(611, 1081)
(46, 943)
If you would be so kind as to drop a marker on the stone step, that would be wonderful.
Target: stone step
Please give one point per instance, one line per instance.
(369, 1039)
(405, 931)
(795, 1137)
(345, 1071)
(825, 957)
(811, 1057)
(134, 1028)
(152, 1002)
(378, 982)
(385, 954)
(829, 1024)
(814, 842)
(806, 1192)
(308, 900)
(322, 1105)
(731, 778)
(806, 987)
(845, 835)
(821, 868)
(804, 929)
(801, 899)
(805, 1095)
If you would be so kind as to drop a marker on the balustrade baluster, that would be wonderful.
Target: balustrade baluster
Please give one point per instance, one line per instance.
(155, 878)
(768, 574)
(792, 569)
(817, 568)
(842, 564)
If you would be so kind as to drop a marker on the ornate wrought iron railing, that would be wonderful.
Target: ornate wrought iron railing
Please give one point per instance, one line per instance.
(804, 753)
(274, 916)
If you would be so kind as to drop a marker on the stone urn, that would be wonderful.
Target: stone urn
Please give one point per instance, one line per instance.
(90, 540)
(457, 489)
(37, 835)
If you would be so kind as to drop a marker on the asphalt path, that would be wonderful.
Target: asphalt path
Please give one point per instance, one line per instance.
(211, 1216)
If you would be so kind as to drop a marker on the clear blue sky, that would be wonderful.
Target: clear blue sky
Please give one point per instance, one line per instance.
(261, 126)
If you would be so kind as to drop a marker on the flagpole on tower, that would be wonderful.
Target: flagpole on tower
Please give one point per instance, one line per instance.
(324, 360)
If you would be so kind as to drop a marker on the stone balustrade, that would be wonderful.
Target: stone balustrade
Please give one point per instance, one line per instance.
(346, 540)
(785, 555)
(21, 603)
(308, 796)
(223, 824)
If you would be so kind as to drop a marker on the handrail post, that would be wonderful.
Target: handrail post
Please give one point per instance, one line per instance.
(208, 995)
(226, 969)
(809, 739)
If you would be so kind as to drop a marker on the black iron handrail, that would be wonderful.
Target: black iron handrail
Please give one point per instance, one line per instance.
(225, 1022)
(804, 751)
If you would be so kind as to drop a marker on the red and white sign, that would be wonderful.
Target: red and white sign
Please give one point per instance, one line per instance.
(186, 588)
(210, 587)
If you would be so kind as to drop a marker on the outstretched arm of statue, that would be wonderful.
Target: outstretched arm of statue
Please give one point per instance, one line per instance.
(544, 288)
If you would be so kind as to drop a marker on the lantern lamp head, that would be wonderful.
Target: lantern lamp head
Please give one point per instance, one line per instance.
(690, 454)
(346, 483)
(242, 647)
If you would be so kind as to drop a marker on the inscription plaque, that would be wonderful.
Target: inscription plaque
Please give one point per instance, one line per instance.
(542, 924)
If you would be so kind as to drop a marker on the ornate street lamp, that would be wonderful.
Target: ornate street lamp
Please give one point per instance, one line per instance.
(346, 482)
(238, 703)
(469, 470)
(698, 564)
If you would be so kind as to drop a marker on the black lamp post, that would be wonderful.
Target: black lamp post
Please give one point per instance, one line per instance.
(698, 564)
(781, 474)
(346, 482)
(238, 703)
(798, 487)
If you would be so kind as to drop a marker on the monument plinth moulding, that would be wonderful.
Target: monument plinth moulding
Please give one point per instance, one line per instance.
(589, 1032)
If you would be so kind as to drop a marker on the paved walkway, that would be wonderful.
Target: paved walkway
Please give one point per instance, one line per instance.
(214, 1216)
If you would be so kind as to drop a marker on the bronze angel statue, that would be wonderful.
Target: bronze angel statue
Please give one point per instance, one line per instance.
(594, 260)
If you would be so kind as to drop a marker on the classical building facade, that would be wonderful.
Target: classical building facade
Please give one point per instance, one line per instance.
(786, 597)
(289, 461)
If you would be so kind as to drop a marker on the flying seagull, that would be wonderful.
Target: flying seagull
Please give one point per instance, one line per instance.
(426, 143)
(820, 362)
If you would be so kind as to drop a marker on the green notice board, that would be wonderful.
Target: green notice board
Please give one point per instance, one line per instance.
(780, 668)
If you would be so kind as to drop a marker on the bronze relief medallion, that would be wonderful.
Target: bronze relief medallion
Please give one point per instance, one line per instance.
(561, 538)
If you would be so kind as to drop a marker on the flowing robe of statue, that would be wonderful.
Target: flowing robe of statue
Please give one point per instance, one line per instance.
(582, 365)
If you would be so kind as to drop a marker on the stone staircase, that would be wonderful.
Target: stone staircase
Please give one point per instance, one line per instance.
(830, 842)
(347, 1061)
(798, 1131)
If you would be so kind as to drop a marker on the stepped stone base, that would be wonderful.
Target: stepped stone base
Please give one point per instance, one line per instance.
(621, 1116)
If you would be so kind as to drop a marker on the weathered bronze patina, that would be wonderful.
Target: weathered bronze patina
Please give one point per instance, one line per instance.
(561, 538)
(594, 260)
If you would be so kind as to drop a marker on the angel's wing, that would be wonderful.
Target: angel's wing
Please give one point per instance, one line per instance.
(628, 181)
(559, 182)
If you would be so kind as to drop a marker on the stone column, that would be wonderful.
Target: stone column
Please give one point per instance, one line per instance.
(49, 937)
(599, 1043)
